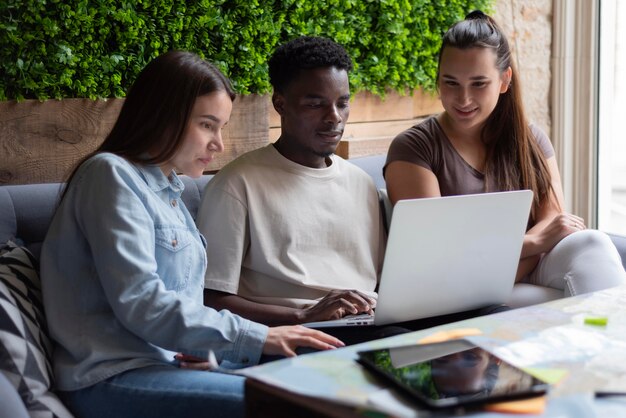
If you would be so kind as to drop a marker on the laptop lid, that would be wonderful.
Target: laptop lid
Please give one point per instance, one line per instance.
(451, 254)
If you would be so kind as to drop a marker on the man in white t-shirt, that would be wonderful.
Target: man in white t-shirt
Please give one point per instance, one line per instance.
(294, 232)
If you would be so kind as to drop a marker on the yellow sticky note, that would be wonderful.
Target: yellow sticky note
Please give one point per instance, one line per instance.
(525, 406)
(451, 334)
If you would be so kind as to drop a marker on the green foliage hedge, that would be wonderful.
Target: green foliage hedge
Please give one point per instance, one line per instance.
(95, 48)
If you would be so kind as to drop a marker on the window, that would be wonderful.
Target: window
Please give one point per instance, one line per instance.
(574, 102)
(612, 118)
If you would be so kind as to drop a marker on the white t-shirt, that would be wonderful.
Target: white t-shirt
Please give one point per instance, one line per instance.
(284, 234)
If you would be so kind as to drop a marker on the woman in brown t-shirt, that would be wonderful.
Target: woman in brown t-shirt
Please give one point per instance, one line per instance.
(482, 142)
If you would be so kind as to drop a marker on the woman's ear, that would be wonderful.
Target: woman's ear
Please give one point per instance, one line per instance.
(278, 101)
(506, 80)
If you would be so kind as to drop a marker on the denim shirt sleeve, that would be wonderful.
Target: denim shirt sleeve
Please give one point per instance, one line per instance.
(113, 208)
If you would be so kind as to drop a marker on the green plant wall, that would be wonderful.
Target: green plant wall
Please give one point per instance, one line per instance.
(95, 48)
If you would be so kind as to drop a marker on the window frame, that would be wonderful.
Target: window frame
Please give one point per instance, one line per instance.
(606, 79)
(575, 88)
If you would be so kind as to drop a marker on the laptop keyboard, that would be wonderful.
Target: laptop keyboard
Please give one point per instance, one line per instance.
(359, 319)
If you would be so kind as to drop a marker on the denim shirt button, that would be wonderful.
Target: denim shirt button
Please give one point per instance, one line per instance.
(174, 243)
(174, 203)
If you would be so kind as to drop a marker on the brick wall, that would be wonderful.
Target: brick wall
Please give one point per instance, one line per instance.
(528, 24)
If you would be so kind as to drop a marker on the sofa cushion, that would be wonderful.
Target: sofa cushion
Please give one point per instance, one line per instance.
(8, 222)
(27, 209)
(372, 165)
(24, 346)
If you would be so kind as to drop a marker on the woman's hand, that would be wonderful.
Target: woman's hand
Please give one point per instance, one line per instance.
(284, 340)
(558, 228)
(337, 304)
(280, 341)
(542, 237)
(185, 361)
(552, 224)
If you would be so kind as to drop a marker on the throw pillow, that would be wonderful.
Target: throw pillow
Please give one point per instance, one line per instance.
(25, 347)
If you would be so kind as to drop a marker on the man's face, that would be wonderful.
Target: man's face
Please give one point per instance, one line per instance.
(314, 109)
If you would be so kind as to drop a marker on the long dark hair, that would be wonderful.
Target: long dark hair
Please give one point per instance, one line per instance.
(514, 158)
(152, 121)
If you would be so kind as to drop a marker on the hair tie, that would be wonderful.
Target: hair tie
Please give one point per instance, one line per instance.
(476, 14)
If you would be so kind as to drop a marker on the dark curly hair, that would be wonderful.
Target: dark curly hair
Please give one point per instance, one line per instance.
(302, 53)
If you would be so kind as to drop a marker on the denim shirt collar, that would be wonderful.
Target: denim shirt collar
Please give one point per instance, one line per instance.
(157, 181)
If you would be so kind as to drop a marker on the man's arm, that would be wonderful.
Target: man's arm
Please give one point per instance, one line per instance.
(334, 305)
(271, 315)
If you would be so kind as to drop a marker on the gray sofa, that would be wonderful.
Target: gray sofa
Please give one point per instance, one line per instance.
(25, 214)
(26, 211)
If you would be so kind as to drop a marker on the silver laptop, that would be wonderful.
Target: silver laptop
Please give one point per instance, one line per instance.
(447, 255)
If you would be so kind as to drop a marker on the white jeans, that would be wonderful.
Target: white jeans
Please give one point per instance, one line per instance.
(582, 262)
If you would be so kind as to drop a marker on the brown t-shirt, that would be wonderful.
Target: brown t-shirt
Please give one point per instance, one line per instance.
(426, 145)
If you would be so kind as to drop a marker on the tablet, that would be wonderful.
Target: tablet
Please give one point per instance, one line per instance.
(451, 374)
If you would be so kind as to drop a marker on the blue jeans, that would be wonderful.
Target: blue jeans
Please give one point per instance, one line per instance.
(160, 391)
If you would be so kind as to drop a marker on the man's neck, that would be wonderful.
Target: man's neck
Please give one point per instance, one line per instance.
(308, 160)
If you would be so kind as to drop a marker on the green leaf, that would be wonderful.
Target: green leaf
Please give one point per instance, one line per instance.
(96, 49)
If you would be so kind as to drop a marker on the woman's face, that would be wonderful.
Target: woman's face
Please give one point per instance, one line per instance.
(470, 85)
(202, 138)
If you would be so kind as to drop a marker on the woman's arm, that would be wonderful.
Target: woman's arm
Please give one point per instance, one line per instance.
(410, 181)
(551, 226)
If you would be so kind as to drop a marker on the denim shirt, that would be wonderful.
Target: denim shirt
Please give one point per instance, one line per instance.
(122, 271)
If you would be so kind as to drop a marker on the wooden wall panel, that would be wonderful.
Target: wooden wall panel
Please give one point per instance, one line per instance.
(41, 141)
(371, 138)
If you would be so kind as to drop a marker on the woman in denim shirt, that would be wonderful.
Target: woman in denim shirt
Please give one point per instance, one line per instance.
(123, 263)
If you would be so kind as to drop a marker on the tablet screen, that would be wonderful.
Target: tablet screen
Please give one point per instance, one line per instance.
(452, 373)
